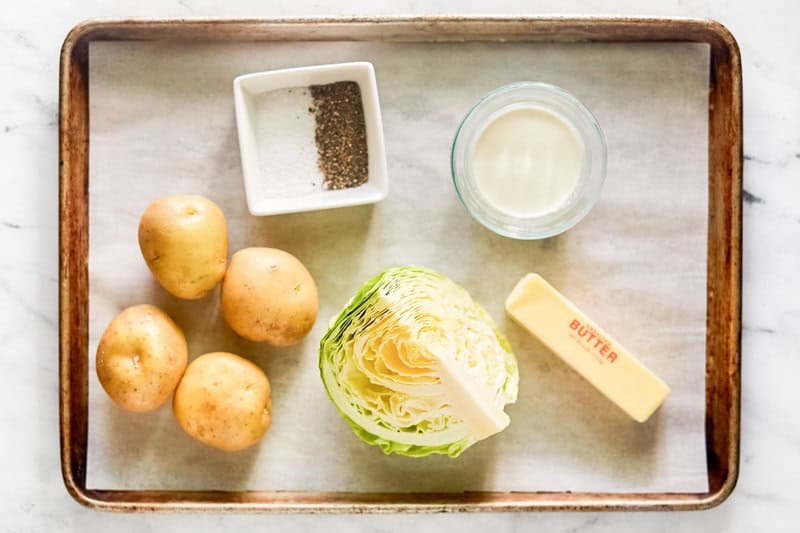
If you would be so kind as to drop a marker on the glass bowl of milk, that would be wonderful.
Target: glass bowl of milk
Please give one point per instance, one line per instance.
(529, 160)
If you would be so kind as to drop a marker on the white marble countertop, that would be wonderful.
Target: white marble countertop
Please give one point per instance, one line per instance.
(32, 496)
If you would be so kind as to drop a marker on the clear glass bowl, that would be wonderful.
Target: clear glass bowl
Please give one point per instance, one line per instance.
(569, 109)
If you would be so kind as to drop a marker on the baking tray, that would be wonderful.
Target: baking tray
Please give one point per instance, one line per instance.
(723, 259)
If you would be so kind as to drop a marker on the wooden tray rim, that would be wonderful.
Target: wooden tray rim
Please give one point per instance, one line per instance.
(724, 255)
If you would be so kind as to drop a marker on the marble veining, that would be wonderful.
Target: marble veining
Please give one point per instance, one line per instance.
(32, 496)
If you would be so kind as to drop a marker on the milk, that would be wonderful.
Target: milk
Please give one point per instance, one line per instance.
(527, 162)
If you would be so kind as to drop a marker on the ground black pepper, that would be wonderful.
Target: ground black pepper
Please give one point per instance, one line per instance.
(341, 134)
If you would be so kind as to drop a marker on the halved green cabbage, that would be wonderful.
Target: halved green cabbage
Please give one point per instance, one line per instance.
(416, 366)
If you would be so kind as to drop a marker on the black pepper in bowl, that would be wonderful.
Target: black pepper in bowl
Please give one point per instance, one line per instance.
(341, 134)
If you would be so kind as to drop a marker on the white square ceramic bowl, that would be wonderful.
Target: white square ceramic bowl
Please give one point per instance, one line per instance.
(248, 86)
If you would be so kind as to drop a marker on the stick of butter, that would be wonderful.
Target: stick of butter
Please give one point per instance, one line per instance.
(591, 352)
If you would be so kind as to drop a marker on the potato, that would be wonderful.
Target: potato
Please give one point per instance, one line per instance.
(141, 357)
(223, 400)
(184, 241)
(268, 295)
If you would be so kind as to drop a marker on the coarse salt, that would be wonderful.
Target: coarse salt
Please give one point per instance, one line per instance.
(284, 134)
